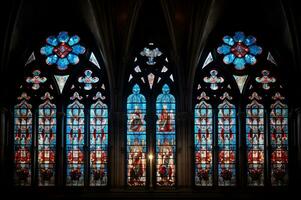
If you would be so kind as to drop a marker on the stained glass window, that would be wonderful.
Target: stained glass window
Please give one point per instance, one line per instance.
(203, 139)
(98, 142)
(75, 128)
(255, 140)
(136, 138)
(226, 142)
(47, 141)
(23, 141)
(165, 138)
(279, 140)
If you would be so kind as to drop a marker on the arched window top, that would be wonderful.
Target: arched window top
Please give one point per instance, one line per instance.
(165, 96)
(136, 97)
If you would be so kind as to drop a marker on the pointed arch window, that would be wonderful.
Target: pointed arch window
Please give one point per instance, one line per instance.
(240, 81)
(64, 100)
(151, 122)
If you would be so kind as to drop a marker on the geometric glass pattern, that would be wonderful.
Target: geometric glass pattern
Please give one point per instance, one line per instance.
(226, 142)
(255, 140)
(279, 141)
(46, 141)
(98, 142)
(75, 128)
(136, 138)
(203, 142)
(239, 50)
(165, 138)
(62, 50)
(23, 141)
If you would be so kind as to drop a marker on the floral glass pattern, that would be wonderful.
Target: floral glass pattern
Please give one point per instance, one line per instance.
(36, 80)
(88, 80)
(23, 140)
(136, 138)
(255, 140)
(165, 138)
(75, 141)
(226, 142)
(46, 141)
(203, 138)
(98, 142)
(265, 80)
(279, 140)
(62, 50)
(239, 50)
(214, 80)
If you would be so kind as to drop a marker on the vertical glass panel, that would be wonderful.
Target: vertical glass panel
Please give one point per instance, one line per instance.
(226, 142)
(203, 143)
(98, 142)
(46, 141)
(75, 142)
(279, 141)
(23, 141)
(255, 141)
(136, 138)
(165, 138)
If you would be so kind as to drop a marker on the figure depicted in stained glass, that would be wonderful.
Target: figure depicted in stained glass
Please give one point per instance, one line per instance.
(165, 120)
(136, 169)
(150, 54)
(166, 162)
(136, 120)
(165, 137)
(136, 138)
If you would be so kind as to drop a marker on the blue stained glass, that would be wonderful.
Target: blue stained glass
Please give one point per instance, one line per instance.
(228, 40)
(224, 49)
(99, 143)
(254, 49)
(250, 59)
(136, 138)
(75, 141)
(239, 50)
(47, 141)
(227, 144)
(229, 58)
(78, 49)
(63, 50)
(52, 41)
(63, 37)
(46, 50)
(62, 63)
(165, 138)
(51, 59)
(250, 40)
(22, 141)
(73, 40)
(239, 63)
(73, 59)
(239, 37)
(203, 144)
